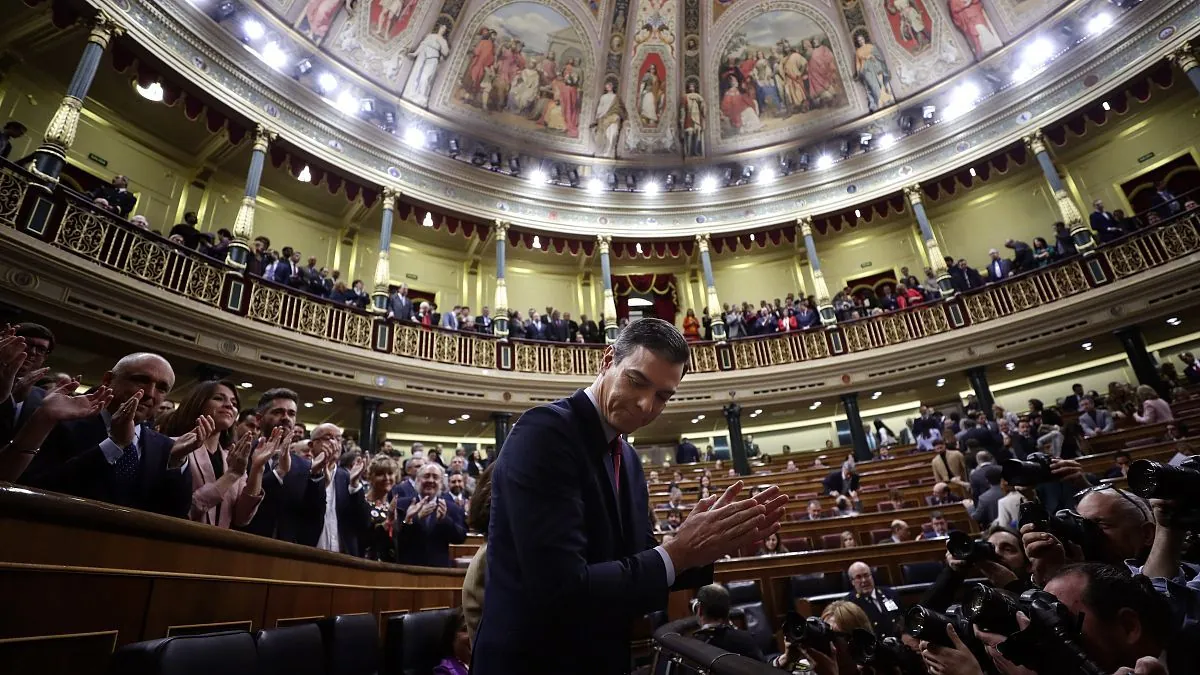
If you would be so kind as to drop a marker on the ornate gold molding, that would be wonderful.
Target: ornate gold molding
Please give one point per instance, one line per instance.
(500, 300)
(1185, 58)
(60, 133)
(243, 225)
(501, 228)
(913, 193)
(1070, 212)
(1036, 142)
(702, 241)
(937, 261)
(604, 241)
(389, 198)
(103, 30)
(805, 225)
(263, 137)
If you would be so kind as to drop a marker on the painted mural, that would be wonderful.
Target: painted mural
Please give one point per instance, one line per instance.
(911, 27)
(901, 46)
(652, 84)
(971, 19)
(524, 68)
(1014, 16)
(777, 69)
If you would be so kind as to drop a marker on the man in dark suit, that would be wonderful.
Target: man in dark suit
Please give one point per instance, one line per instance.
(338, 527)
(712, 611)
(1164, 202)
(292, 499)
(844, 481)
(187, 229)
(483, 322)
(535, 328)
(428, 522)
(400, 306)
(572, 327)
(591, 332)
(406, 487)
(879, 602)
(559, 331)
(112, 457)
(570, 547)
(999, 268)
(686, 452)
(116, 196)
(25, 398)
(1071, 403)
(1104, 224)
(1023, 441)
(12, 130)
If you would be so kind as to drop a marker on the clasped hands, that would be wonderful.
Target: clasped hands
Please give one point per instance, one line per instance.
(721, 524)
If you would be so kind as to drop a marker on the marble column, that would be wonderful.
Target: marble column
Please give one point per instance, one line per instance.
(820, 290)
(502, 422)
(937, 261)
(383, 266)
(983, 391)
(603, 241)
(737, 445)
(1143, 364)
(858, 436)
(51, 156)
(1071, 216)
(243, 226)
(368, 431)
(500, 301)
(1185, 58)
(715, 314)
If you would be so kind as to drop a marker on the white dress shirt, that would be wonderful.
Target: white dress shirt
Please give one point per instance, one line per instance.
(329, 534)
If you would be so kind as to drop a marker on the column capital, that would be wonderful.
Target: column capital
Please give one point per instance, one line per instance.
(263, 137)
(702, 241)
(805, 225)
(389, 197)
(604, 241)
(104, 28)
(501, 228)
(913, 193)
(1036, 142)
(1184, 57)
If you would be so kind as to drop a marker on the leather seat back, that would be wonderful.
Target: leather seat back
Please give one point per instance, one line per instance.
(295, 650)
(351, 644)
(414, 641)
(226, 653)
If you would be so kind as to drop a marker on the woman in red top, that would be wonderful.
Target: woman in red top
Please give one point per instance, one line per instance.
(788, 321)
(691, 326)
(907, 297)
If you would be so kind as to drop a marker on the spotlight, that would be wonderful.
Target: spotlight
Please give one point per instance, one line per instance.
(514, 165)
(638, 248)
(1010, 366)
(479, 158)
(767, 174)
(414, 137)
(876, 395)
(367, 106)
(844, 148)
(308, 404)
(151, 92)
(537, 177)
(670, 182)
(595, 185)
(326, 82)
(857, 213)
(708, 183)
(247, 385)
(972, 170)
(1033, 57)
(1099, 23)
(537, 242)
(887, 140)
(700, 416)
(758, 412)
(1174, 321)
(695, 421)
(383, 415)
(651, 187)
(274, 55)
(346, 103)
(751, 236)
(1106, 106)
(824, 162)
(453, 148)
(253, 30)
(1087, 346)
(927, 113)
(327, 399)
(225, 10)
(941, 382)
(427, 221)
(864, 140)
(303, 67)
(688, 180)
(464, 416)
(962, 100)
(452, 421)
(398, 410)
(305, 175)
(803, 161)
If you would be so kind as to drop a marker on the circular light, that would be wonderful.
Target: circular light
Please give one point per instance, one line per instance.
(464, 416)
(824, 162)
(151, 92)
(694, 420)
(398, 410)
(327, 82)
(1087, 346)
(877, 394)
(1174, 321)
(650, 187)
(347, 103)
(327, 399)
(305, 175)
(595, 185)
(886, 141)
(758, 412)
(308, 404)
(766, 174)
(816, 404)
(414, 137)
(1010, 366)
(537, 177)
(252, 29)
(700, 417)
(708, 184)
(383, 415)
(274, 55)
(452, 421)
(1099, 23)
(247, 385)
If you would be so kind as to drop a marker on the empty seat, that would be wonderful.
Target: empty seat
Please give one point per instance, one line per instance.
(742, 592)
(351, 644)
(414, 641)
(830, 541)
(227, 653)
(295, 650)
(880, 536)
(796, 544)
(920, 572)
(815, 584)
(885, 506)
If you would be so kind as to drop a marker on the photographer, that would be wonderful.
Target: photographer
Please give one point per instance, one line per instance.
(712, 610)
(1006, 567)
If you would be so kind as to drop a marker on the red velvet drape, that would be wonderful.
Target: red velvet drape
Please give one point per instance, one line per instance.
(660, 286)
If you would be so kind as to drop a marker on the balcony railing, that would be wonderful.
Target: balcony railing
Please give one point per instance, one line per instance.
(68, 221)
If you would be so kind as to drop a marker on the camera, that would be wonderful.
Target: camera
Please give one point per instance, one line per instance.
(884, 653)
(991, 609)
(1033, 470)
(930, 625)
(1048, 644)
(1155, 480)
(1066, 526)
(962, 547)
(811, 632)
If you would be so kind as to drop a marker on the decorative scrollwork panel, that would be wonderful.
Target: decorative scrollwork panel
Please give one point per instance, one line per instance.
(1126, 259)
(82, 232)
(1177, 239)
(12, 193)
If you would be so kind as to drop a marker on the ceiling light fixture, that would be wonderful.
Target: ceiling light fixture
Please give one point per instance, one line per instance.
(308, 404)
(973, 174)
(651, 187)
(347, 103)
(886, 141)
(305, 175)
(427, 221)
(327, 399)
(1087, 346)
(538, 177)
(274, 55)
(1174, 321)
(383, 415)
(327, 82)
(766, 174)
(700, 416)
(857, 213)
(537, 242)
(1106, 106)
(824, 162)
(941, 382)
(452, 421)
(695, 421)
(708, 184)
(595, 186)
(962, 100)
(151, 92)
(464, 416)
(1099, 23)
(414, 137)
(253, 30)
(877, 394)
(751, 236)
(398, 410)
(638, 247)
(1010, 366)
(246, 385)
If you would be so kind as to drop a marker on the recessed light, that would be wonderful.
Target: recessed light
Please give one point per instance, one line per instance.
(347, 103)
(414, 137)
(595, 186)
(537, 177)
(383, 415)
(1010, 366)
(1087, 346)
(151, 92)
(308, 404)
(452, 421)
(877, 394)
(700, 417)
(886, 141)
(247, 385)
(1099, 23)
(816, 404)
(708, 183)
(766, 174)
(1174, 321)
(253, 29)
(274, 55)
(398, 410)
(327, 82)
(824, 162)
(694, 420)
(758, 412)
(651, 187)
(327, 399)
(464, 416)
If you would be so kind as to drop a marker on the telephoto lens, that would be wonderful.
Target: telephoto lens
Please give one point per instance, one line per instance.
(1031, 471)
(991, 609)
(962, 547)
(883, 654)
(811, 632)
(1155, 480)
(1067, 527)
(930, 625)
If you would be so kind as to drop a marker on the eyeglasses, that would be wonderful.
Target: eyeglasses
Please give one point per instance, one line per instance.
(1124, 495)
(33, 349)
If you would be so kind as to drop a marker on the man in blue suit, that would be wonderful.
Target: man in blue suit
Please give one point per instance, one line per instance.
(999, 268)
(571, 556)
(112, 457)
(428, 522)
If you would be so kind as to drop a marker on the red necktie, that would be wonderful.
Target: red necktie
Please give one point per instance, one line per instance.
(615, 447)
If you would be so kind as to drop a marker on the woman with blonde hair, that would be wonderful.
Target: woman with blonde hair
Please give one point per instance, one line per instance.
(1154, 409)
(844, 617)
(379, 516)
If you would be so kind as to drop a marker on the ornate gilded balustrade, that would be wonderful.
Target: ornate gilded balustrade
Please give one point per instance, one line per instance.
(69, 222)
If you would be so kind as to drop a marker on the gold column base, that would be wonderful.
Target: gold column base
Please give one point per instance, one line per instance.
(243, 225)
(500, 299)
(610, 317)
(60, 133)
(937, 261)
(1070, 213)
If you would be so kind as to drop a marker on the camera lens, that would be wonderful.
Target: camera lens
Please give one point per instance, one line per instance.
(991, 609)
(1033, 470)
(959, 545)
(927, 624)
(1155, 480)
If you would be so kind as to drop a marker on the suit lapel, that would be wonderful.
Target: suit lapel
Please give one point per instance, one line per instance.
(598, 455)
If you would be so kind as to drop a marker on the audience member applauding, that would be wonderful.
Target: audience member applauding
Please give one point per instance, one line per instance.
(339, 524)
(21, 398)
(431, 522)
(378, 514)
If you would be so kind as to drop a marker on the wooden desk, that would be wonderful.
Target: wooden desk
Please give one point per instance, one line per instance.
(80, 578)
(1118, 440)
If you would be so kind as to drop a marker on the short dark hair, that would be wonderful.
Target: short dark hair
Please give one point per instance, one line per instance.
(16, 126)
(224, 233)
(480, 511)
(936, 515)
(35, 330)
(714, 601)
(939, 441)
(272, 394)
(663, 339)
(1122, 453)
(1111, 589)
(993, 473)
(246, 412)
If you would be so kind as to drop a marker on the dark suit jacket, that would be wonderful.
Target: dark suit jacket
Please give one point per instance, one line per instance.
(686, 453)
(1105, 226)
(559, 331)
(835, 483)
(567, 555)
(401, 307)
(10, 422)
(536, 330)
(427, 541)
(886, 622)
(591, 331)
(1165, 205)
(283, 272)
(72, 462)
(120, 201)
(1000, 273)
(731, 640)
(291, 510)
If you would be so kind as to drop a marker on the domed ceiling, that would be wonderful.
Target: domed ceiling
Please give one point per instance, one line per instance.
(651, 81)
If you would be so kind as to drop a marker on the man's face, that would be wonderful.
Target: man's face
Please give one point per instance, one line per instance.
(814, 510)
(901, 532)
(1105, 641)
(429, 480)
(456, 484)
(634, 392)
(1086, 405)
(459, 463)
(1099, 205)
(653, 476)
(939, 490)
(939, 448)
(1125, 528)
(152, 375)
(248, 425)
(1023, 428)
(36, 351)
(1008, 549)
(673, 519)
(120, 182)
(860, 577)
(164, 407)
(940, 526)
(1078, 389)
(280, 412)
(327, 439)
(296, 256)
(1122, 462)
(414, 466)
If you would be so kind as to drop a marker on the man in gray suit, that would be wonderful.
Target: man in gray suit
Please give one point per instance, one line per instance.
(987, 509)
(399, 305)
(1093, 420)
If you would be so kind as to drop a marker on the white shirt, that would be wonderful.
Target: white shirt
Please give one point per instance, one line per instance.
(329, 535)
(108, 446)
(1009, 508)
(609, 434)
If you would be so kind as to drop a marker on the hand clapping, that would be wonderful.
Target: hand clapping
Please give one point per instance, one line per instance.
(121, 428)
(59, 405)
(719, 526)
(185, 444)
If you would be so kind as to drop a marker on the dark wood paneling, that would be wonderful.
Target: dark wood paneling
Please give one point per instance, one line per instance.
(288, 605)
(42, 603)
(352, 601)
(77, 654)
(185, 603)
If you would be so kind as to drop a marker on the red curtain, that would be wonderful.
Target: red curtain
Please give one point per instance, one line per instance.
(661, 287)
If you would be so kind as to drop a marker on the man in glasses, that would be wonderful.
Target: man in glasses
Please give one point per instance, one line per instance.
(25, 398)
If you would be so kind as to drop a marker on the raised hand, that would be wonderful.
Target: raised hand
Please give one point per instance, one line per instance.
(427, 507)
(318, 464)
(185, 444)
(285, 454)
(267, 449)
(414, 508)
(24, 383)
(356, 470)
(59, 405)
(726, 526)
(440, 511)
(956, 660)
(12, 357)
(121, 429)
(1046, 553)
(239, 456)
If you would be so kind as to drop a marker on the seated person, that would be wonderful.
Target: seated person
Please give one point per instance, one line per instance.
(844, 507)
(456, 646)
(814, 511)
(938, 526)
(673, 521)
(942, 495)
(1120, 467)
(772, 546)
(1093, 420)
(115, 197)
(842, 482)
(712, 610)
(848, 540)
(878, 602)
(900, 533)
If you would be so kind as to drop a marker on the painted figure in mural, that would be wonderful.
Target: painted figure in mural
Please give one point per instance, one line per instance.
(691, 119)
(873, 73)
(740, 109)
(391, 17)
(794, 67)
(969, 17)
(824, 83)
(426, 57)
(568, 86)
(524, 91)
(765, 86)
(910, 24)
(610, 115)
(318, 15)
(548, 69)
(482, 58)
(511, 62)
(650, 97)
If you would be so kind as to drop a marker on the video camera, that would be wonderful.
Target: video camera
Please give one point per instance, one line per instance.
(1153, 480)
(1066, 526)
(962, 547)
(1028, 472)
